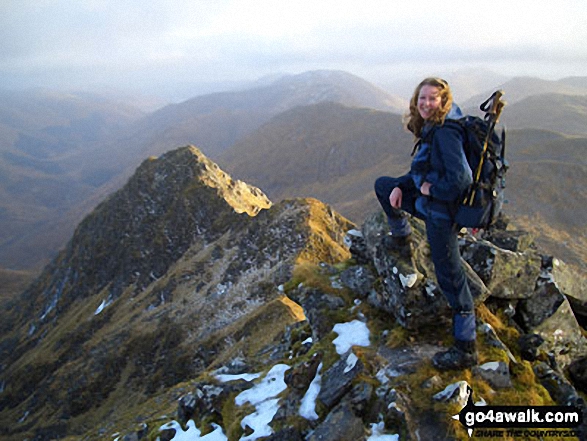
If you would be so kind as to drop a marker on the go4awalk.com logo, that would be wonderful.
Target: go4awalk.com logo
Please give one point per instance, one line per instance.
(519, 421)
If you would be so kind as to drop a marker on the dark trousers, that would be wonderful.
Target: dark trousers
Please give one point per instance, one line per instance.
(444, 249)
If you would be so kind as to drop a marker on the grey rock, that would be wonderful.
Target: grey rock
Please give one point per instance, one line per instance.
(359, 279)
(573, 284)
(317, 305)
(337, 381)
(496, 373)
(507, 274)
(578, 374)
(340, 425)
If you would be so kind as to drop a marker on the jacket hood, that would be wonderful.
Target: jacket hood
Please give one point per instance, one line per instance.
(455, 112)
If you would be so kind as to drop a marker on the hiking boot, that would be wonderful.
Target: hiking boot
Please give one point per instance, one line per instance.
(401, 245)
(460, 356)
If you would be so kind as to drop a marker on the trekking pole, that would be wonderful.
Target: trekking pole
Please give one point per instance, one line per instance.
(492, 115)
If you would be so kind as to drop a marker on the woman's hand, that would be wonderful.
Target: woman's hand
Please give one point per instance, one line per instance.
(395, 198)
(425, 188)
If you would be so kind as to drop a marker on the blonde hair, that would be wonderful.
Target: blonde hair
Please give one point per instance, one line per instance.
(413, 119)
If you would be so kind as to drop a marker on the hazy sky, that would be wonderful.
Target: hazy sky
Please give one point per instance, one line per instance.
(158, 45)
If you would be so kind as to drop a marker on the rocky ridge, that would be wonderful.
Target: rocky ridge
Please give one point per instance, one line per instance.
(166, 287)
(532, 349)
(161, 279)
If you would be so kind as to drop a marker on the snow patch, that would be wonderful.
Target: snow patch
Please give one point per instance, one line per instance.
(193, 433)
(269, 387)
(308, 406)
(350, 334)
(262, 396)
(225, 378)
(409, 280)
(378, 435)
(351, 362)
(490, 366)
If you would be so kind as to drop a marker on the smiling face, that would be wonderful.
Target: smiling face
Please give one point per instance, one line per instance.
(429, 100)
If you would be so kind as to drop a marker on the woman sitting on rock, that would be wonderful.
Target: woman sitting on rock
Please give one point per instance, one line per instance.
(438, 176)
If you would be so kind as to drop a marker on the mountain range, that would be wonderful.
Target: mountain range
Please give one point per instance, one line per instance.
(188, 305)
(63, 154)
(95, 145)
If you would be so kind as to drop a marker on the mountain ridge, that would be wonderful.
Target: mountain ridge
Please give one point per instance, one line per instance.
(167, 253)
(165, 286)
(212, 122)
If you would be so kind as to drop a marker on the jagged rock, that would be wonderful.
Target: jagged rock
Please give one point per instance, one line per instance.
(559, 388)
(562, 392)
(340, 425)
(359, 279)
(409, 290)
(360, 398)
(542, 304)
(393, 405)
(507, 274)
(511, 240)
(573, 285)
(285, 434)
(432, 382)
(337, 380)
(207, 400)
(479, 291)
(357, 246)
(301, 375)
(167, 434)
(578, 374)
(563, 337)
(316, 305)
(455, 392)
(234, 367)
(186, 406)
(406, 294)
(404, 360)
(530, 346)
(496, 373)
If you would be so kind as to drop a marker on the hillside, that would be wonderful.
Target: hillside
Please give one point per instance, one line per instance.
(173, 253)
(215, 122)
(335, 153)
(186, 303)
(555, 112)
(45, 138)
(519, 88)
(546, 193)
(316, 147)
(66, 153)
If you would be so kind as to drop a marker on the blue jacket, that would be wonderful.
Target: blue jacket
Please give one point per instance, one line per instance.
(441, 161)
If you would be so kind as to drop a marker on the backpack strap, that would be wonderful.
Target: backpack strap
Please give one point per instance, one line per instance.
(417, 146)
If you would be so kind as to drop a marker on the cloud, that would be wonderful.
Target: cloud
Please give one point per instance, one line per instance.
(53, 41)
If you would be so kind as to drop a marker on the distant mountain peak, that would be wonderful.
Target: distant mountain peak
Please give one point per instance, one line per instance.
(242, 197)
(136, 234)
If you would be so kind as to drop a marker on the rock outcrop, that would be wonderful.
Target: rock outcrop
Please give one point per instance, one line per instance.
(188, 303)
(176, 271)
(387, 384)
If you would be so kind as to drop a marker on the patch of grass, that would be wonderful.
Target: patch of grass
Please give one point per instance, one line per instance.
(232, 415)
(310, 274)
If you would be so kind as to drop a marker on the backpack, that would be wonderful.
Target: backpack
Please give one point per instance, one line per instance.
(484, 149)
(485, 152)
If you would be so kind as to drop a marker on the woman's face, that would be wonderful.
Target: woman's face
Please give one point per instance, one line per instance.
(428, 100)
